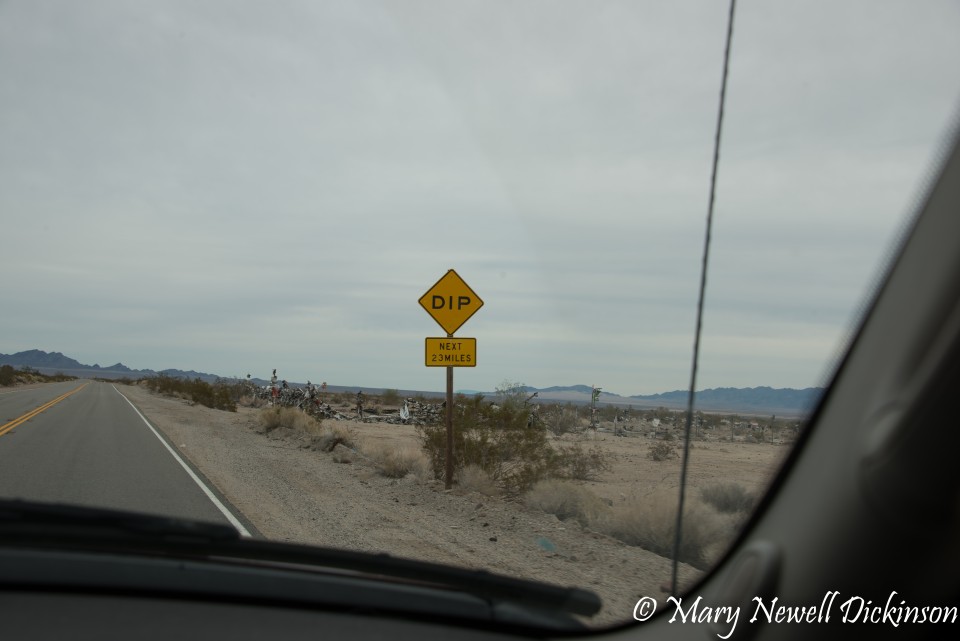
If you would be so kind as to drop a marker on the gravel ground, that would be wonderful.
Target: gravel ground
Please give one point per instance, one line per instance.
(292, 493)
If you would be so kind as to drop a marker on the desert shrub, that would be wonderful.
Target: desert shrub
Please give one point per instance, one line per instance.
(473, 478)
(253, 401)
(661, 452)
(59, 377)
(501, 440)
(560, 421)
(346, 399)
(574, 462)
(7, 375)
(567, 500)
(290, 417)
(650, 523)
(728, 498)
(235, 387)
(607, 412)
(513, 393)
(397, 462)
(272, 418)
(406, 461)
(390, 397)
(217, 396)
(330, 437)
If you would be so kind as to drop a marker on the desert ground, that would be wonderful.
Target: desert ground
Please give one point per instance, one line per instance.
(289, 490)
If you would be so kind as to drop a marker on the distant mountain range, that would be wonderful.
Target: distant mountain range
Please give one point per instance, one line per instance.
(752, 400)
(53, 362)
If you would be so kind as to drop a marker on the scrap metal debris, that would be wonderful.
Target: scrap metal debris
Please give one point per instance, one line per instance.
(311, 400)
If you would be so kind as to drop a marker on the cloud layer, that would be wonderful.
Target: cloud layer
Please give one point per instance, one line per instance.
(237, 187)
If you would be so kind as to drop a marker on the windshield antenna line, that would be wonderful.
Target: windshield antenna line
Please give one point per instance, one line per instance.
(677, 535)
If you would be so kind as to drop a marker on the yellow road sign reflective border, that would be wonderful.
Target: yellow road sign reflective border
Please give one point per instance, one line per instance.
(451, 352)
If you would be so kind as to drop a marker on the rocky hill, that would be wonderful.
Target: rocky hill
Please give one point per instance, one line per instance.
(56, 362)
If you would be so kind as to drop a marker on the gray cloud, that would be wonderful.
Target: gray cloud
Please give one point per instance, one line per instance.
(236, 187)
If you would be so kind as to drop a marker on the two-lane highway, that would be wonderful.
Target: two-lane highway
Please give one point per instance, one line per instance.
(83, 443)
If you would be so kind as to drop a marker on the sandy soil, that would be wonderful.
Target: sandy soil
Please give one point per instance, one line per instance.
(292, 493)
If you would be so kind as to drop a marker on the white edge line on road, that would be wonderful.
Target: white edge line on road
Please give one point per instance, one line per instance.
(203, 486)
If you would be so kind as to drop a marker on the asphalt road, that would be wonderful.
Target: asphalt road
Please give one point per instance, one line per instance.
(92, 448)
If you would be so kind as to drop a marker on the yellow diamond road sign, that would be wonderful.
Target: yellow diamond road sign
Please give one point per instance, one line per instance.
(451, 302)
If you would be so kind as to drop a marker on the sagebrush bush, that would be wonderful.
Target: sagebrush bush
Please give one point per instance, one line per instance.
(397, 462)
(501, 440)
(650, 523)
(390, 397)
(8, 375)
(567, 500)
(218, 396)
(253, 401)
(508, 445)
(290, 417)
(574, 462)
(560, 420)
(728, 498)
(647, 522)
(473, 478)
(11, 376)
(661, 452)
(330, 437)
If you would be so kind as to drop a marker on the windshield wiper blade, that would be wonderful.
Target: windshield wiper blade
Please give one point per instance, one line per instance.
(60, 526)
(480, 583)
(57, 521)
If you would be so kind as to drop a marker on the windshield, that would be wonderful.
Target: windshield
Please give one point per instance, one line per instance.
(228, 231)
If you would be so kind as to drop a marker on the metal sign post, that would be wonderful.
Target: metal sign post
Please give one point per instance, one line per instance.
(448, 469)
(451, 303)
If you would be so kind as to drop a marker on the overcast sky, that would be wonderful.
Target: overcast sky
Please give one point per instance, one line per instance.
(234, 187)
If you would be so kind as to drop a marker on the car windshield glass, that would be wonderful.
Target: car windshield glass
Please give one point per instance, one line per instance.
(247, 246)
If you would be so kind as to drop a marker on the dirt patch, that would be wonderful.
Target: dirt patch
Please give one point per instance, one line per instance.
(291, 492)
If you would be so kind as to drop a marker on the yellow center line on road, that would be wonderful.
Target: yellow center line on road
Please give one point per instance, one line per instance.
(26, 417)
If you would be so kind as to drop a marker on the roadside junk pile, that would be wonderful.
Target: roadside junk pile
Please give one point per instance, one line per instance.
(310, 399)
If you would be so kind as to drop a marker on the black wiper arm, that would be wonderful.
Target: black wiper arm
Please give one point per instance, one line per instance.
(39, 521)
(477, 582)
(58, 525)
